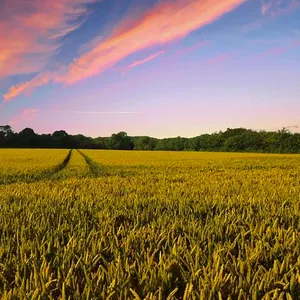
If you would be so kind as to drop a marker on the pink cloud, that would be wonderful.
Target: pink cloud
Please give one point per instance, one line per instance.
(279, 50)
(165, 23)
(274, 8)
(271, 9)
(24, 116)
(28, 34)
(265, 7)
(218, 59)
(15, 90)
(145, 60)
(100, 112)
(26, 87)
(189, 49)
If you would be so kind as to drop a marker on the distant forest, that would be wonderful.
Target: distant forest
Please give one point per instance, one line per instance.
(233, 140)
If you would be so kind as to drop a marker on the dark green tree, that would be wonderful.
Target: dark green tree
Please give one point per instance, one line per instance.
(6, 135)
(237, 139)
(61, 139)
(27, 138)
(121, 141)
(144, 143)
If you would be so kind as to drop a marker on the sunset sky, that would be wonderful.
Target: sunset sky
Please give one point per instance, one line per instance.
(149, 67)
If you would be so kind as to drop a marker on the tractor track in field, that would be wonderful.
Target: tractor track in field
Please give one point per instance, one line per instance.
(62, 165)
(43, 175)
(99, 170)
(96, 169)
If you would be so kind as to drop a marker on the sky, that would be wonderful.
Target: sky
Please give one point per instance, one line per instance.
(161, 68)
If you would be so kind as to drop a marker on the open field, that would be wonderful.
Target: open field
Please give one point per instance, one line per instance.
(94, 224)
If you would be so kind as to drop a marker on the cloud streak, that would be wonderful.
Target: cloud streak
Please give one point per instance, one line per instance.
(165, 23)
(25, 115)
(276, 8)
(15, 90)
(189, 49)
(102, 112)
(82, 112)
(218, 59)
(278, 50)
(145, 60)
(271, 11)
(265, 7)
(26, 87)
(29, 32)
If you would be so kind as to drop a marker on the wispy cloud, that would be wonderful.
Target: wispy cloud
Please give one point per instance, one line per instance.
(278, 7)
(145, 60)
(26, 87)
(83, 112)
(15, 90)
(279, 49)
(24, 116)
(30, 114)
(102, 112)
(218, 59)
(165, 23)
(265, 7)
(271, 10)
(189, 49)
(29, 32)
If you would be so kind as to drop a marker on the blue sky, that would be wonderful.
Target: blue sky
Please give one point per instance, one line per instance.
(158, 68)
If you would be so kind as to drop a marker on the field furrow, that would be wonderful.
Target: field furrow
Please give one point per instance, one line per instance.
(160, 226)
(96, 168)
(29, 166)
(76, 168)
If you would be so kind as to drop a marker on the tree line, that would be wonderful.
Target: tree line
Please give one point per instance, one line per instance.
(233, 140)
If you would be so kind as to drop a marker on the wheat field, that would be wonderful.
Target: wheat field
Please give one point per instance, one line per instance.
(93, 224)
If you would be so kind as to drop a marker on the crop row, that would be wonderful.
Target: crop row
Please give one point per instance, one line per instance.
(205, 226)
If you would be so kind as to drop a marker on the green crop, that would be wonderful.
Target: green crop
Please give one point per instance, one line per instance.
(149, 225)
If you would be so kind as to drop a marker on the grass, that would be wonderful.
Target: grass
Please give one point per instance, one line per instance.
(150, 225)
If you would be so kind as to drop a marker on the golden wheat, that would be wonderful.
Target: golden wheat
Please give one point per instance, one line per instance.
(151, 225)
